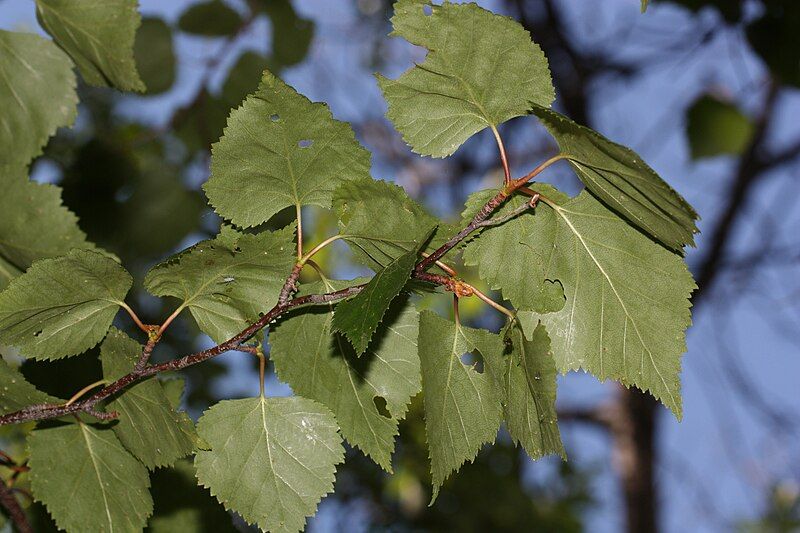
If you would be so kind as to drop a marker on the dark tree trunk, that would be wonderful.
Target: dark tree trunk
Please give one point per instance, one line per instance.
(635, 456)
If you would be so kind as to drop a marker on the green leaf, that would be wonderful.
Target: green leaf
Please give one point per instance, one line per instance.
(380, 221)
(226, 282)
(98, 36)
(62, 306)
(619, 177)
(154, 55)
(148, 426)
(35, 225)
(37, 95)
(323, 366)
(87, 480)
(527, 377)
(627, 298)
(359, 317)
(715, 127)
(16, 392)
(644, 5)
(506, 258)
(181, 505)
(211, 19)
(279, 465)
(280, 150)
(463, 408)
(481, 70)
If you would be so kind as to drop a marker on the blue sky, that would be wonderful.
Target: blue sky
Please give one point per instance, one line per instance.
(720, 460)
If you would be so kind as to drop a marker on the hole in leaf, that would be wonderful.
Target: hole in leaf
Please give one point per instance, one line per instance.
(305, 143)
(274, 117)
(473, 359)
(380, 405)
(427, 9)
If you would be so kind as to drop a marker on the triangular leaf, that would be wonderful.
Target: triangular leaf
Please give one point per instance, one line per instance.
(482, 69)
(62, 306)
(359, 317)
(323, 366)
(35, 225)
(99, 37)
(16, 392)
(508, 261)
(280, 150)
(271, 459)
(527, 377)
(37, 95)
(226, 282)
(380, 222)
(619, 177)
(463, 408)
(87, 480)
(148, 426)
(627, 298)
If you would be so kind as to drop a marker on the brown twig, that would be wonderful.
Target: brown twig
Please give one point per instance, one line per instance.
(14, 510)
(88, 405)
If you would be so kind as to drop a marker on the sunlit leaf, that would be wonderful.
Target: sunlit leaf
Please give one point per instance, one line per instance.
(379, 221)
(627, 302)
(279, 465)
(481, 70)
(280, 150)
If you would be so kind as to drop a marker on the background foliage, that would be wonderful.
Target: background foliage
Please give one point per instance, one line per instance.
(132, 164)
